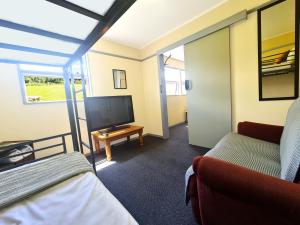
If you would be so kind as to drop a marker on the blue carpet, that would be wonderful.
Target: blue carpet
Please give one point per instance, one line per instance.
(149, 181)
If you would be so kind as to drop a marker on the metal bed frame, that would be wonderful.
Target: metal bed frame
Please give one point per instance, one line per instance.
(34, 150)
(118, 8)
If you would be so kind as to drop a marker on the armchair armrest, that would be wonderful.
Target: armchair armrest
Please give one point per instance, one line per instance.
(228, 188)
(266, 132)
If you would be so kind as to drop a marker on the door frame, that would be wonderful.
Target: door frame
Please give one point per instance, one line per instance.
(160, 60)
(163, 96)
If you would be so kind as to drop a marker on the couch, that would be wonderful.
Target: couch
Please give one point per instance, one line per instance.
(250, 177)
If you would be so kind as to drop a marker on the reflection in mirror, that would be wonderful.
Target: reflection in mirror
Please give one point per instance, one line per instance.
(119, 79)
(278, 69)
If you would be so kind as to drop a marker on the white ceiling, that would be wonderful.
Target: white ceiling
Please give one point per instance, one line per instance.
(148, 20)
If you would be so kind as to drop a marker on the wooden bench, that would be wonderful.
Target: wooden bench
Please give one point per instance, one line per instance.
(116, 135)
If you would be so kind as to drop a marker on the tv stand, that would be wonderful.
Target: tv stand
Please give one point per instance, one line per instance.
(121, 132)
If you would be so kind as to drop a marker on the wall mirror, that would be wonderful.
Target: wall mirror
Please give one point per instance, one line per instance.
(119, 79)
(278, 50)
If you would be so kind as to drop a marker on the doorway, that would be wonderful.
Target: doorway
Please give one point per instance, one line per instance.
(174, 85)
(203, 84)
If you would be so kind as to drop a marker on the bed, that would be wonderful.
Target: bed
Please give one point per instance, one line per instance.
(278, 64)
(61, 190)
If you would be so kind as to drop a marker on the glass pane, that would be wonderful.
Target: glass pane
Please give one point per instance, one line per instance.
(44, 84)
(37, 13)
(171, 88)
(78, 86)
(172, 74)
(44, 88)
(96, 6)
(76, 68)
(31, 57)
(21, 38)
(173, 79)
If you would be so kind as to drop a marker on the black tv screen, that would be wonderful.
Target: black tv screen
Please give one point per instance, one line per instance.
(108, 111)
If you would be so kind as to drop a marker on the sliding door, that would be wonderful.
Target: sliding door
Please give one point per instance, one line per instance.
(207, 63)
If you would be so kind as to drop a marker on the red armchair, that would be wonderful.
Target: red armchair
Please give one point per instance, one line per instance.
(223, 193)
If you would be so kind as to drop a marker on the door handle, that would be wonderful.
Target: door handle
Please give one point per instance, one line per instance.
(188, 85)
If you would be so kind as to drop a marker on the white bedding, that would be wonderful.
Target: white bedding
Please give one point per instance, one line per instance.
(81, 200)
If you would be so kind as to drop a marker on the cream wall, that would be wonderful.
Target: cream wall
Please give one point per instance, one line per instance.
(27, 122)
(18, 121)
(152, 96)
(117, 49)
(216, 15)
(177, 106)
(245, 104)
(142, 81)
(174, 63)
(102, 80)
(244, 69)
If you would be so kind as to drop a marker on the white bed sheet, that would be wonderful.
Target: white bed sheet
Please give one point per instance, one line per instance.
(81, 200)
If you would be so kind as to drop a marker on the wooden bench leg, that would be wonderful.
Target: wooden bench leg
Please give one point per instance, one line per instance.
(97, 145)
(141, 138)
(128, 138)
(108, 150)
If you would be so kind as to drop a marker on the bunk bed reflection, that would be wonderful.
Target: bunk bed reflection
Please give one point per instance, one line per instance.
(279, 63)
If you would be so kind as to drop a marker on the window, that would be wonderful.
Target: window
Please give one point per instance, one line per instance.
(175, 79)
(46, 84)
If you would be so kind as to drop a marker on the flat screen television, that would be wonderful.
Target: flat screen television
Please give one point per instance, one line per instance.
(109, 111)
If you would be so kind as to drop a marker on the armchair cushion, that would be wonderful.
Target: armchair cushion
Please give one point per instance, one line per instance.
(290, 144)
(254, 154)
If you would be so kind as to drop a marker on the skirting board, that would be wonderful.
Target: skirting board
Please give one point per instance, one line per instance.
(154, 135)
(177, 124)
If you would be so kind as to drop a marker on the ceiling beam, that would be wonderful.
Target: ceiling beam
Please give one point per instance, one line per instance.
(78, 9)
(33, 50)
(41, 32)
(118, 8)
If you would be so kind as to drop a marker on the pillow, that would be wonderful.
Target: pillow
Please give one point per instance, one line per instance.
(290, 144)
(291, 56)
(279, 58)
(285, 55)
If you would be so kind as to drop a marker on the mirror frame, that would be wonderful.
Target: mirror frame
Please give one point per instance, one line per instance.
(296, 84)
(115, 70)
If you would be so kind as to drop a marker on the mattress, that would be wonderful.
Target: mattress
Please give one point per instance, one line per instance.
(80, 200)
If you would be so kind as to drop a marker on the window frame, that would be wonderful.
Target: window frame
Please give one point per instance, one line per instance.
(23, 73)
(179, 84)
